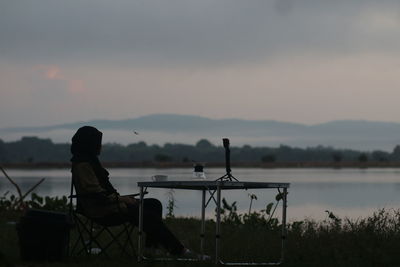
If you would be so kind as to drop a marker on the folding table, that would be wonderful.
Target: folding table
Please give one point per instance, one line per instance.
(214, 190)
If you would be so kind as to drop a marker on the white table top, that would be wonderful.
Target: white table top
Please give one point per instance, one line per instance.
(211, 185)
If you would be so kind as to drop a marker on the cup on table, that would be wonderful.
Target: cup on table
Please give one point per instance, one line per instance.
(159, 178)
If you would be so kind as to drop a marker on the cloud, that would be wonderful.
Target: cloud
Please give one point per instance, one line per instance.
(76, 86)
(187, 32)
(284, 7)
(276, 59)
(54, 73)
(384, 21)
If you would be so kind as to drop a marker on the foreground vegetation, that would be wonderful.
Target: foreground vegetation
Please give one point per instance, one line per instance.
(371, 241)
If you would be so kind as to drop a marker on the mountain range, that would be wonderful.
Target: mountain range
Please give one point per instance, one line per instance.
(172, 128)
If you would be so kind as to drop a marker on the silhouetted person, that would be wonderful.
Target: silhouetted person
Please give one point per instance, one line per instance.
(105, 205)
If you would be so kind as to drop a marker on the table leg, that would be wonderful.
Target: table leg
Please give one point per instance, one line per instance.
(203, 216)
(218, 226)
(284, 207)
(140, 238)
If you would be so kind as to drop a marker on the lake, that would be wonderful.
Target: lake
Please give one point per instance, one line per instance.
(352, 193)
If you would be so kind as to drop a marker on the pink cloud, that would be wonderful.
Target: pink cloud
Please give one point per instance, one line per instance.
(76, 86)
(54, 72)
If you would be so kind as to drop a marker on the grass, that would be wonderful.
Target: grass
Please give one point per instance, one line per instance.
(371, 241)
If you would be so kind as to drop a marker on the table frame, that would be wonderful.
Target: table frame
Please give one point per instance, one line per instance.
(215, 187)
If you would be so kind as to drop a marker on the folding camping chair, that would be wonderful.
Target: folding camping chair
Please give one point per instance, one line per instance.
(92, 237)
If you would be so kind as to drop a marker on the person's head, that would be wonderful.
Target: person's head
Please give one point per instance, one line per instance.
(86, 141)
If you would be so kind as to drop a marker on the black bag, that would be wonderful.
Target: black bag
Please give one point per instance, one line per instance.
(44, 235)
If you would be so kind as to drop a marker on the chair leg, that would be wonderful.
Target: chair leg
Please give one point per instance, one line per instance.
(121, 238)
(128, 242)
(115, 240)
(81, 226)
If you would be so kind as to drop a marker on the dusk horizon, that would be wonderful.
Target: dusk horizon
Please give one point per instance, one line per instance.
(350, 119)
(188, 129)
(291, 61)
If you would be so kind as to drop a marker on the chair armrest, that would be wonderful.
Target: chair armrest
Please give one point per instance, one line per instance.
(88, 195)
(135, 195)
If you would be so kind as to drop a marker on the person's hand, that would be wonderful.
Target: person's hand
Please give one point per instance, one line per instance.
(128, 200)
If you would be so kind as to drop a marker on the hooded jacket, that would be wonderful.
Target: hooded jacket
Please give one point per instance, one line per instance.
(96, 197)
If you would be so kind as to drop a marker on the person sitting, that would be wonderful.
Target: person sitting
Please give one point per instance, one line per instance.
(102, 203)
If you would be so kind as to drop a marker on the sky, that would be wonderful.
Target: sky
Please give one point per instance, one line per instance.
(303, 61)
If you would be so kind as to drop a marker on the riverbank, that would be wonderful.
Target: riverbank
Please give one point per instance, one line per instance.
(273, 165)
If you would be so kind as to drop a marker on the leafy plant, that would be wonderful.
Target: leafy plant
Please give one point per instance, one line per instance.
(252, 197)
(7, 202)
(229, 213)
(48, 203)
(10, 202)
(263, 218)
(171, 204)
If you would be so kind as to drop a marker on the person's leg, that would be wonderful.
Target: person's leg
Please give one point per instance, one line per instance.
(156, 231)
(153, 207)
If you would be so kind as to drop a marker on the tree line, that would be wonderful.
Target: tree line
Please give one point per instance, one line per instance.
(34, 150)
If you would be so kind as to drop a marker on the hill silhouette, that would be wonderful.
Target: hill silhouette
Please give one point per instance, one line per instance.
(163, 128)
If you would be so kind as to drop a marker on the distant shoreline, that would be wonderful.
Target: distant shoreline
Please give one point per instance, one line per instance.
(274, 165)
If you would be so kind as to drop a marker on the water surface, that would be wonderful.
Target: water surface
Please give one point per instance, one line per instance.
(347, 192)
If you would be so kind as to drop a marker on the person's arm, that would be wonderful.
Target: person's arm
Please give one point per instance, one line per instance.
(128, 200)
(89, 183)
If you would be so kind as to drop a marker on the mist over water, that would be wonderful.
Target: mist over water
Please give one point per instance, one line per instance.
(352, 193)
(185, 129)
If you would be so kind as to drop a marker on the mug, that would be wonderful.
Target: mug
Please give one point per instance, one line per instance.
(159, 178)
